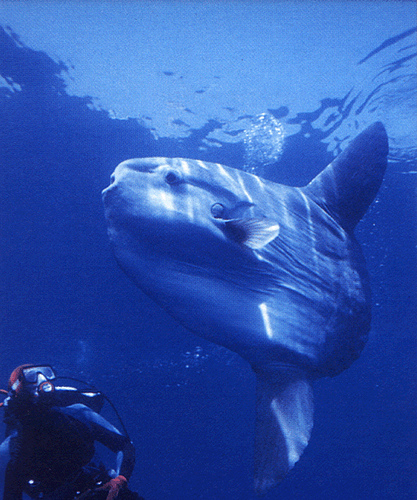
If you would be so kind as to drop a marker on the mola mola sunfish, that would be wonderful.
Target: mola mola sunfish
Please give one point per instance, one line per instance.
(269, 271)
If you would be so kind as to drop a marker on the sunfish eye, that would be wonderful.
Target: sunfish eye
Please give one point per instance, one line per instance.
(217, 210)
(172, 177)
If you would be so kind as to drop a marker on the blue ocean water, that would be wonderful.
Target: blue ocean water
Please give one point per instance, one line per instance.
(189, 405)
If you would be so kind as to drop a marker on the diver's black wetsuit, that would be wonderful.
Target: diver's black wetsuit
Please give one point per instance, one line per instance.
(50, 449)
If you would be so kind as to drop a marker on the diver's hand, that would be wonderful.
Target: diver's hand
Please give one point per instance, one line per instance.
(113, 486)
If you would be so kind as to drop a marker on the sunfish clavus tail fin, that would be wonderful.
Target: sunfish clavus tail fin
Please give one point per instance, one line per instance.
(284, 419)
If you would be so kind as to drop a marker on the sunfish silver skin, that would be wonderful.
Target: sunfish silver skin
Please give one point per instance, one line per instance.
(271, 272)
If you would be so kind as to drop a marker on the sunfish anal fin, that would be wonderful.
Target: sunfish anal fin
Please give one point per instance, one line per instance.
(254, 233)
(284, 419)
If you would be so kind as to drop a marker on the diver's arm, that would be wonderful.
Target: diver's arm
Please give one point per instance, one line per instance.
(108, 435)
(120, 444)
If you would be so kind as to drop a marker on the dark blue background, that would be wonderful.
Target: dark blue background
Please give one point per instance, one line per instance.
(188, 405)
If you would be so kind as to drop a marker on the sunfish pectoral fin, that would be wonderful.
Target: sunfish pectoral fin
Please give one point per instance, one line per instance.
(254, 233)
(284, 419)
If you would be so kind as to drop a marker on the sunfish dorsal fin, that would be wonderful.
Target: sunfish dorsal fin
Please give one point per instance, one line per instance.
(347, 186)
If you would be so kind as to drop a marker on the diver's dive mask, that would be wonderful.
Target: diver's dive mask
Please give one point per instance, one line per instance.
(39, 375)
(31, 374)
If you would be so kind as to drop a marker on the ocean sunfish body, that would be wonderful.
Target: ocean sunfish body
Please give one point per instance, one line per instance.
(271, 272)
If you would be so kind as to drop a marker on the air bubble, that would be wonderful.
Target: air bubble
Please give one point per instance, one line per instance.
(263, 141)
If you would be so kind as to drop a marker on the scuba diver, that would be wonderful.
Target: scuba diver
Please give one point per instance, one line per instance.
(49, 448)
